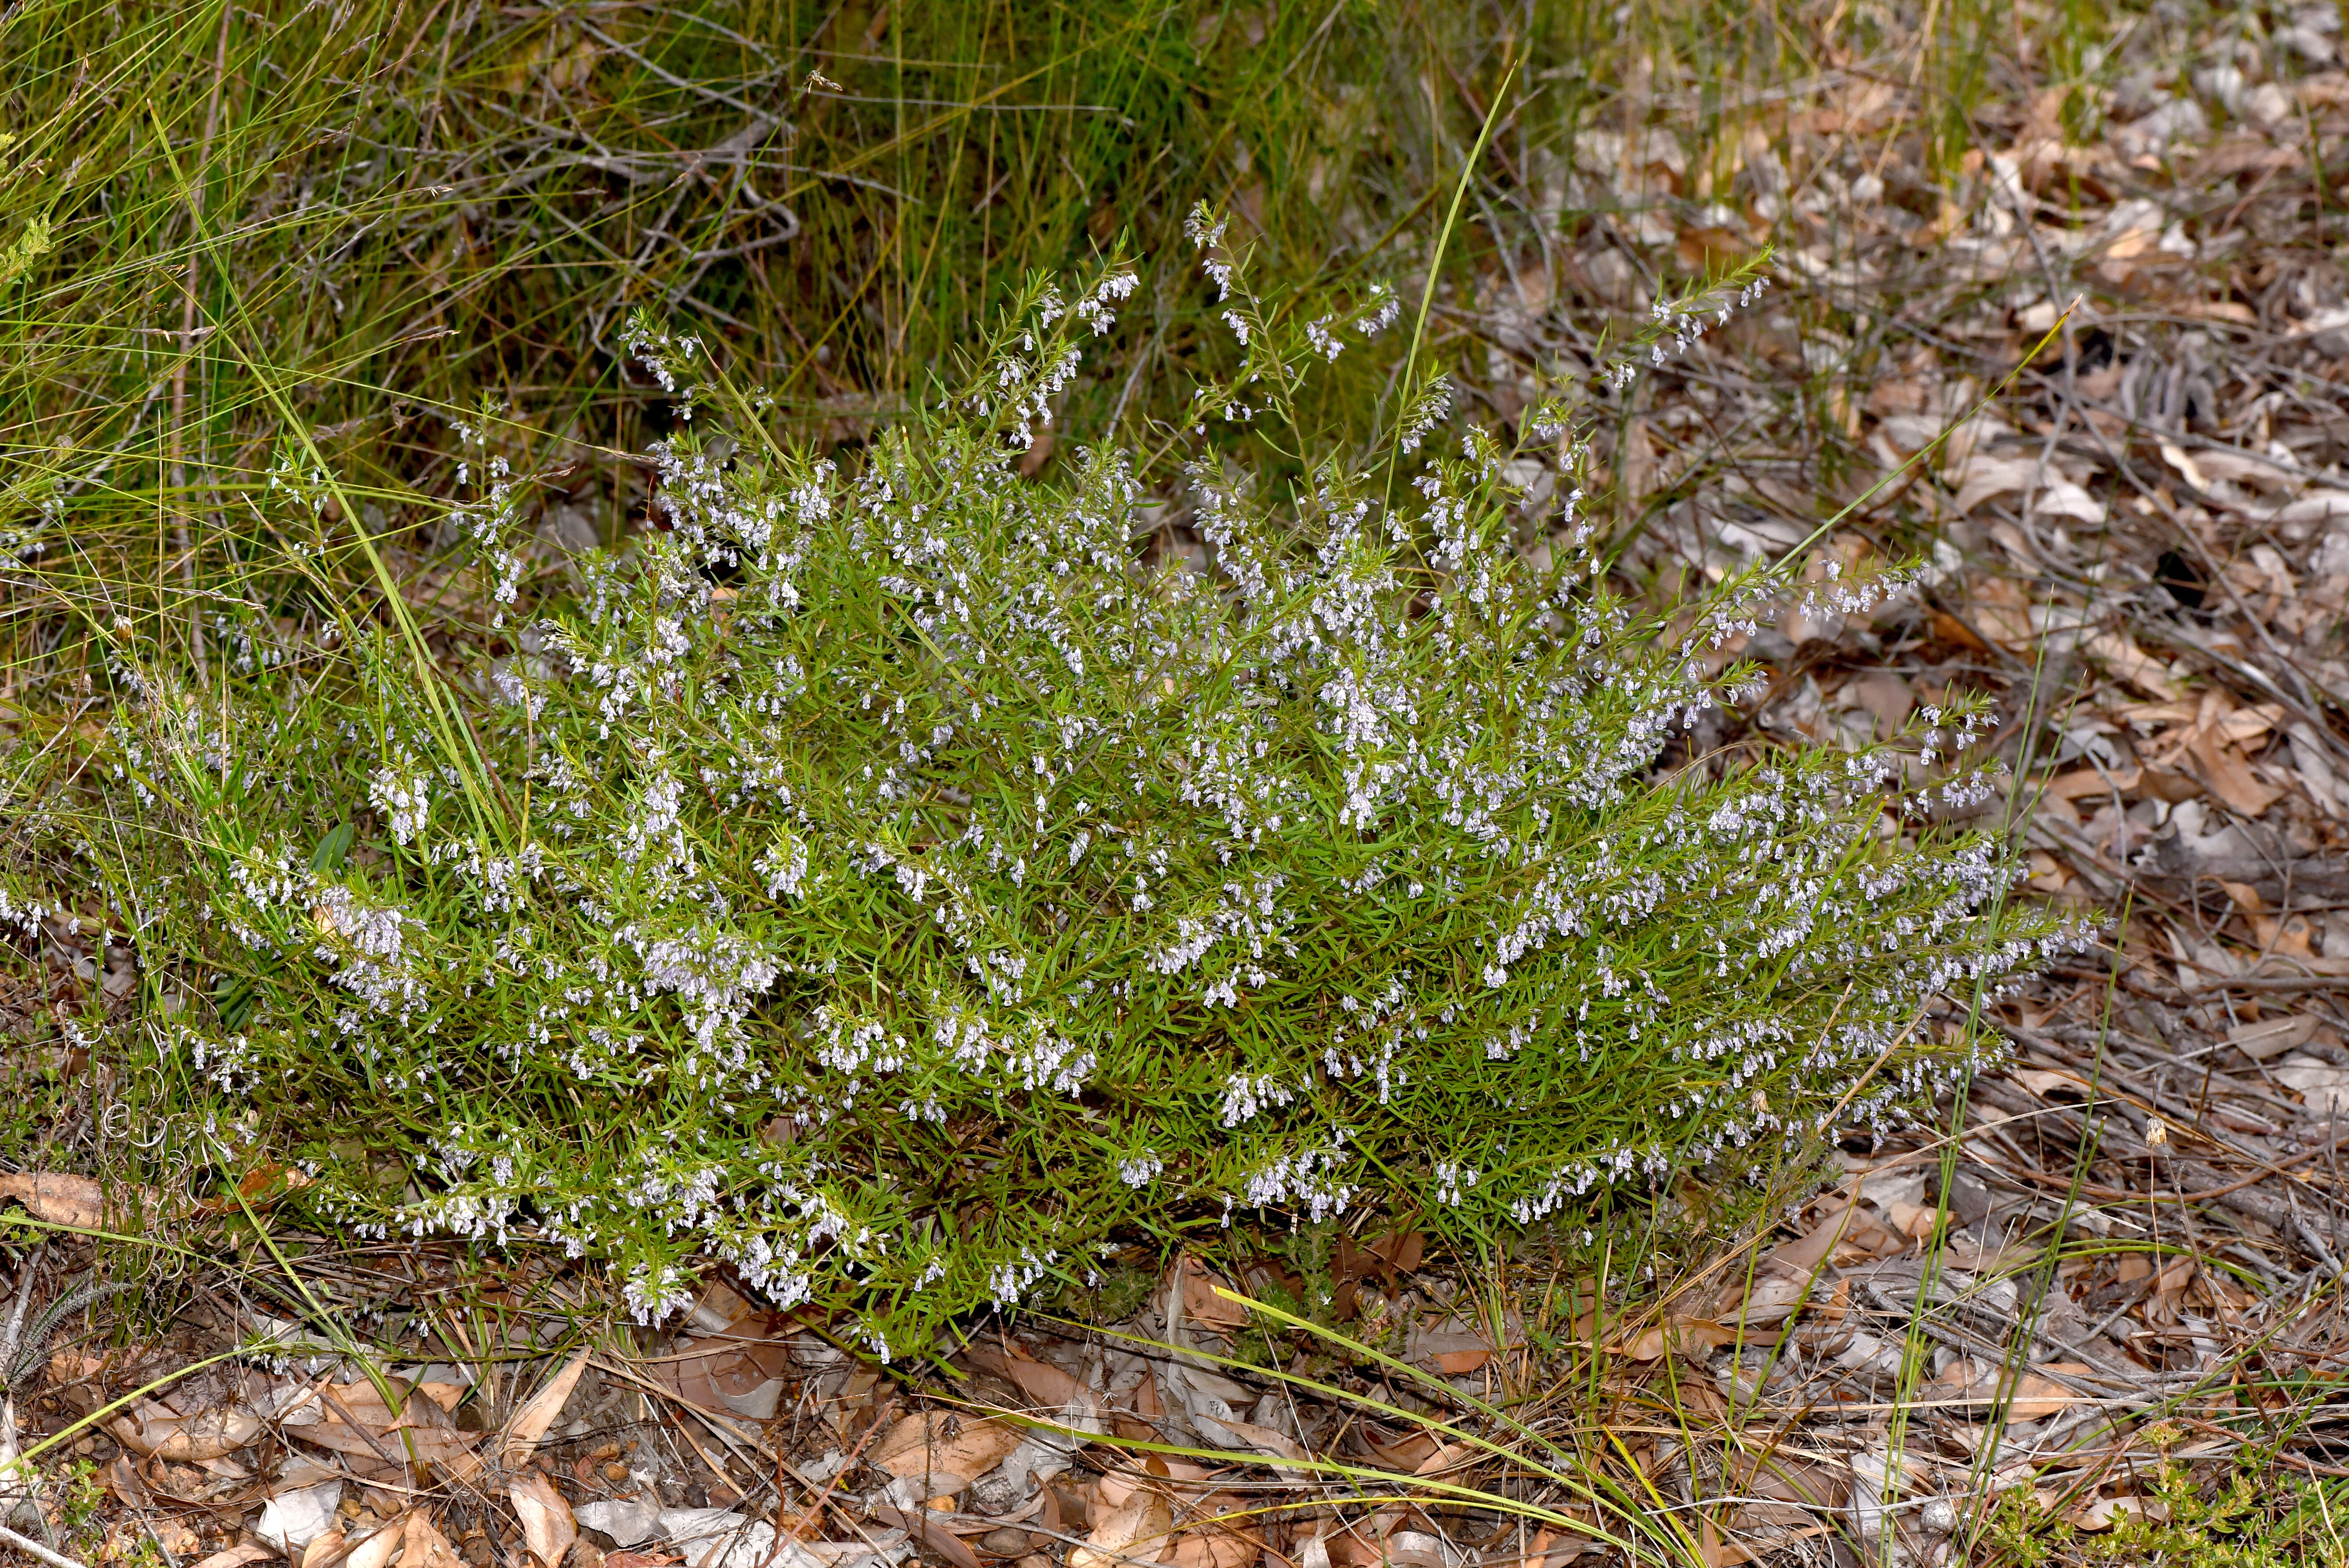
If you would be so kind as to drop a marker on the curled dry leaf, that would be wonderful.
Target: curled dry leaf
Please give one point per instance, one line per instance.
(2033, 1395)
(1045, 1384)
(1246, 1436)
(419, 1427)
(1772, 1298)
(1202, 1303)
(1216, 1550)
(921, 1445)
(719, 1538)
(2273, 1036)
(1406, 1453)
(1693, 1337)
(329, 1551)
(246, 1552)
(1389, 1257)
(742, 1366)
(2323, 1089)
(122, 1479)
(1455, 1346)
(423, 1546)
(62, 1198)
(628, 1521)
(932, 1533)
(530, 1423)
(376, 1550)
(547, 1527)
(151, 1430)
(1136, 1531)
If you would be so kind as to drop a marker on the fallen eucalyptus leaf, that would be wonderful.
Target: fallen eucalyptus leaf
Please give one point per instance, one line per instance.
(547, 1527)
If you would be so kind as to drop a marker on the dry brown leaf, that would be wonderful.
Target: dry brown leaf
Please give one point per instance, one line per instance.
(258, 1188)
(2122, 655)
(375, 1550)
(1807, 1253)
(1694, 1337)
(2287, 936)
(530, 1423)
(920, 1445)
(444, 1395)
(1390, 1256)
(1917, 1221)
(547, 1528)
(1846, 1233)
(1407, 1453)
(2273, 1036)
(123, 1479)
(740, 1366)
(1639, 459)
(2170, 1283)
(1202, 1304)
(176, 1536)
(2105, 1512)
(151, 1430)
(1043, 1383)
(420, 1426)
(1884, 696)
(2033, 1396)
(58, 1197)
(1249, 1435)
(326, 1551)
(1773, 1298)
(237, 1556)
(930, 1530)
(1445, 1456)
(1137, 1529)
(423, 1546)
(2043, 1082)
(1216, 1550)
(2243, 895)
(2225, 769)
(2092, 783)
(1979, 477)
(2002, 613)
(1455, 1346)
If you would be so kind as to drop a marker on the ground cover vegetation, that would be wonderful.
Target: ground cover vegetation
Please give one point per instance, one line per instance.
(471, 470)
(895, 884)
(741, 899)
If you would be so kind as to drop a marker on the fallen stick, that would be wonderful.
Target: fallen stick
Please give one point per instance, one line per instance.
(34, 1549)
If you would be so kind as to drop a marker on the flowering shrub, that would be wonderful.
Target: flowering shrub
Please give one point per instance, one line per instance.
(900, 884)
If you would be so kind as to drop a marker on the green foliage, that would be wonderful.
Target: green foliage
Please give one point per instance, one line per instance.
(910, 882)
(78, 1498)
(2244, 1516)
